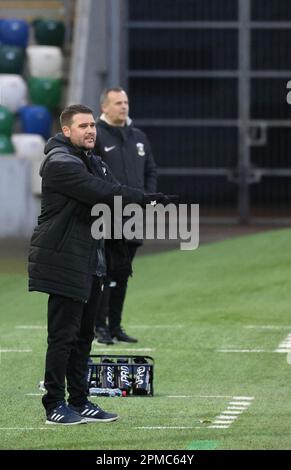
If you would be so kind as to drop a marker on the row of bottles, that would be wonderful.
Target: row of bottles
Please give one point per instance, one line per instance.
(128, 377)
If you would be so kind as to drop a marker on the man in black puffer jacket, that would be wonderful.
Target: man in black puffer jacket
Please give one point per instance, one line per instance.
(127, 152)
(68, 264)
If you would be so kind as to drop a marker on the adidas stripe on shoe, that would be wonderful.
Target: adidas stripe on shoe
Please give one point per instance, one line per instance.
(62, 414)
(93, 413)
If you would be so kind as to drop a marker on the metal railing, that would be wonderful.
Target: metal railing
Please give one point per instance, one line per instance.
(208, 85)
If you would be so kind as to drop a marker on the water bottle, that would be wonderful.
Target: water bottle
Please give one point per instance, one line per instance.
(106, 392)
(90, 372)
(106, 377)
(123, 376)
(141, 383)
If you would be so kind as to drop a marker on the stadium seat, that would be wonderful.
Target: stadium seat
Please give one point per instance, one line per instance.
(45, 91)
(45, 61)
(30, 147)
(5, 145)
(36, 119)
(6, 121)
(14, 32)
(49, 32)
(13, 91)
(11, 59)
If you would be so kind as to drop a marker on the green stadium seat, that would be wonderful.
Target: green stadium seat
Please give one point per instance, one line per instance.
(5, 145)
(45, 91)
(49, 32)
(11, 59)
(6, 121)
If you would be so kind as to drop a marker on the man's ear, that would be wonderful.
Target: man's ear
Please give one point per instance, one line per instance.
(66, 131)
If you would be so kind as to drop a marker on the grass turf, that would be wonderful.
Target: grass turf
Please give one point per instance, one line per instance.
(185, 306)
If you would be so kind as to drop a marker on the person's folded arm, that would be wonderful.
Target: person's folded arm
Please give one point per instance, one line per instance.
(73, 180)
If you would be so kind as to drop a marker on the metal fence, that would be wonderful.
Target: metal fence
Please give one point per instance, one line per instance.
(207, 82)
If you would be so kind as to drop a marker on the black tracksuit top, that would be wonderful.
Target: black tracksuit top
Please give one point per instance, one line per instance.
(127, 152)
(62, 255)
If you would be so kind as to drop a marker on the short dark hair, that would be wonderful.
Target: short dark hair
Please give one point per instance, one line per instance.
(66, 118)
(105, 93)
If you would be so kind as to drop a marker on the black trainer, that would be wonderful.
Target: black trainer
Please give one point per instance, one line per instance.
(103, 336)
(120, 335)
(92, 413)
(63, 414)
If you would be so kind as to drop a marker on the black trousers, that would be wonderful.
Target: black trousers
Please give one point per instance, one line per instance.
(70, 334)
(113, 298)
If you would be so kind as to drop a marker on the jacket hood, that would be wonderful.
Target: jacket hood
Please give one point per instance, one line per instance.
(62, 142)
(59, 140)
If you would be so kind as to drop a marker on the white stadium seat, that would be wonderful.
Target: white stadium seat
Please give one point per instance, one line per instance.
(13, 91)
(30, 147)
(45, 61)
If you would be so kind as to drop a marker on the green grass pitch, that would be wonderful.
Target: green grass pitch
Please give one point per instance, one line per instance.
(184, 306)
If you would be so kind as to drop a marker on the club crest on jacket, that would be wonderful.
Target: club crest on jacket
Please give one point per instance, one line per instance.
(140, 149)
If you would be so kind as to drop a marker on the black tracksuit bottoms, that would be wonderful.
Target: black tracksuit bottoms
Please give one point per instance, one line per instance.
(113, 299)
(70, 334)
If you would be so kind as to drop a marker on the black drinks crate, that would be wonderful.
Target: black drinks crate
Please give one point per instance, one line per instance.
(133, 374)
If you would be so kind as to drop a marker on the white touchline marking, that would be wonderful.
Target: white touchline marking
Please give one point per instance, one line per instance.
(236, 408)
(156, 326)
(217, 421)
(226, 417)
(106, 350)
(27, 429)
(243, 350)
(243, 398)
(169, 427)
(218, 426)
(222, 420)
(15, 350)
(34, 394)
(269, 327)
(242, 403)
(198, 396)
(30, 327)
(231, 413)
(285, 345)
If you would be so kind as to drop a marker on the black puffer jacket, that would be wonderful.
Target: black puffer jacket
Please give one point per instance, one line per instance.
(63, 255)
(127, 152)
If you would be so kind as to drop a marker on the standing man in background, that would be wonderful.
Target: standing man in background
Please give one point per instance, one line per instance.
(127, 152)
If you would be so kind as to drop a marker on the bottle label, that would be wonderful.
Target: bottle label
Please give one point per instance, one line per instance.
(123, 381)
(107, 376)
(141, 380)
